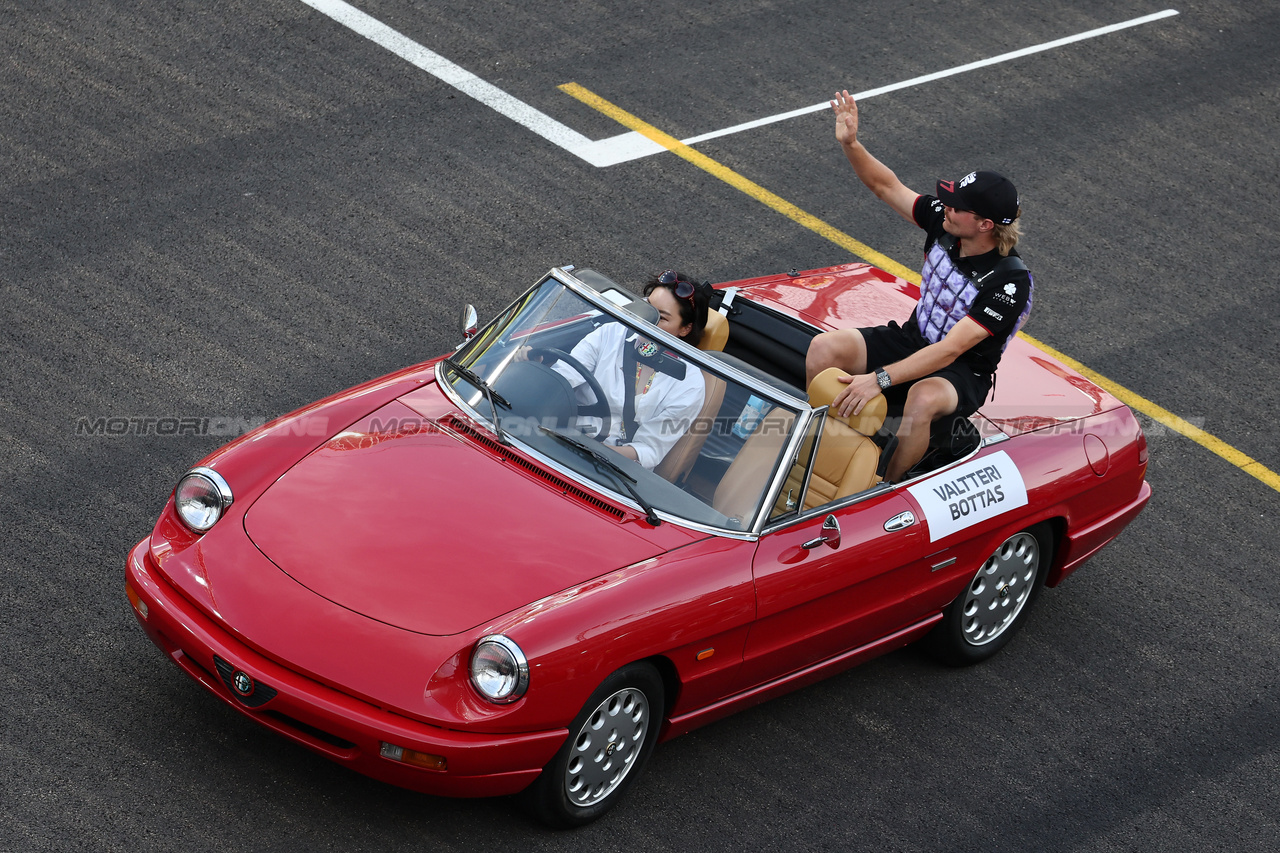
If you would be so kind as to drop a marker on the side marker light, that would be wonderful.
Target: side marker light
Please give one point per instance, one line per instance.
(417, 759)
(134, 599)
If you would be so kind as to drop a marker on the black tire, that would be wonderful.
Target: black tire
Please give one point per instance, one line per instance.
(608, 745)
(995, 603)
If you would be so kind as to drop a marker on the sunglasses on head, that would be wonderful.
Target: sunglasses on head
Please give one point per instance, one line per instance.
(683, 289)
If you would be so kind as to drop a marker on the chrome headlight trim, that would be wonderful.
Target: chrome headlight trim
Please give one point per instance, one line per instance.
(217, 495)
(499, 670)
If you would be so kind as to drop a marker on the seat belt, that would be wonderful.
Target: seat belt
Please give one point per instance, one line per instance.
(629, 364)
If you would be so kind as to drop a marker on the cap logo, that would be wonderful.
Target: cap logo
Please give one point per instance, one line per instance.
(1010, 288)
(949, 186)
(968, 179)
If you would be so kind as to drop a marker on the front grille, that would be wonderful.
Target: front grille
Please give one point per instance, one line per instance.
(262, 694)
(259, 695)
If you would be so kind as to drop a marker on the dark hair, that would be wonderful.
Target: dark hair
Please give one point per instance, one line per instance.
(692, 311)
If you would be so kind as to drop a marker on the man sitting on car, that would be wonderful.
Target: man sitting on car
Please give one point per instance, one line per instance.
(975, 294)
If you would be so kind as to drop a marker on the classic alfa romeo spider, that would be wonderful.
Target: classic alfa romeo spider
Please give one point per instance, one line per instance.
(441, 579)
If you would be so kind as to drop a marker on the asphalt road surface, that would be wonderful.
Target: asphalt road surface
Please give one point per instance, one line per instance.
(222, 211)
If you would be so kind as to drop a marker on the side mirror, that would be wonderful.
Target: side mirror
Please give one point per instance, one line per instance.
(470, 322)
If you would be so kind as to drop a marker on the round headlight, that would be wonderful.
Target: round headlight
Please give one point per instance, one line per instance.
(201, 498)
(499, 671)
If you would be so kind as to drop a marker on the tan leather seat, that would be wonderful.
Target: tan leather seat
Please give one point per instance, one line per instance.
(675, 466)
(847, 457)
(715, 334)
(740, 490)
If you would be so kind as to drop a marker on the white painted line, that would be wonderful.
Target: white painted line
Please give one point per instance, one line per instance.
(623, 147)
(627, 146)
(469, 84)
(937, 75)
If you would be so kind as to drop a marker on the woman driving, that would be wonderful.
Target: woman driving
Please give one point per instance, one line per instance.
(666, 392)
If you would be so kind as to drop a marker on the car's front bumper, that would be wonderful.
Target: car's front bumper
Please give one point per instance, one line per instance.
(346, 729)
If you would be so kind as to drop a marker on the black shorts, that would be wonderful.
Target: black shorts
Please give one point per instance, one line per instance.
(889, 344)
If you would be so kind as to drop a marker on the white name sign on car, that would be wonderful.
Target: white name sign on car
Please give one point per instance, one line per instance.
(971, 493)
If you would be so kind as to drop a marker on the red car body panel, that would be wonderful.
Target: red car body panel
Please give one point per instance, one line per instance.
(424, 551)
(329, 720)
(376, 535)
(813, 604)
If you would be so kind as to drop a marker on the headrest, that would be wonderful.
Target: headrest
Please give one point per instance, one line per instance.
(826, 386)
(716, 333)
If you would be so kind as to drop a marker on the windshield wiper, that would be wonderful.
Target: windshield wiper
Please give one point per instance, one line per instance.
(489, 394)
(627, 481)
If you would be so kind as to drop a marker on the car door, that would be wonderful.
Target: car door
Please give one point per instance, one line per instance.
(815, 598)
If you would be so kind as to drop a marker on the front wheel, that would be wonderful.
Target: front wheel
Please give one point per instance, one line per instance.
(608, 745)
(991, 609)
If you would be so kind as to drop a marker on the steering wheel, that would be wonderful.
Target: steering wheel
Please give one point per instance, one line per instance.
(598, 409)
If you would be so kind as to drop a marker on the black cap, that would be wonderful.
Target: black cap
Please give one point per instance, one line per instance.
(988, 194)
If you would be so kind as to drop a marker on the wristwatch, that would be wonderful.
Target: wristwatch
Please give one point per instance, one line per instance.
(882, 377)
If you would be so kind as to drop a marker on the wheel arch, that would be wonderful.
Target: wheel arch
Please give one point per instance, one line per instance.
(671, 681)
(1058, 530)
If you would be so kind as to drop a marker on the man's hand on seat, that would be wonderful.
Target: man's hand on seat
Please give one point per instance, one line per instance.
(862, 389)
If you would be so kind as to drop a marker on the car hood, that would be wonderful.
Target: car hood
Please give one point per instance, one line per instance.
(409, 522)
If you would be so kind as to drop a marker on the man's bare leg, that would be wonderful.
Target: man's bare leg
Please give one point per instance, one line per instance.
(844, 349)
(928, 400)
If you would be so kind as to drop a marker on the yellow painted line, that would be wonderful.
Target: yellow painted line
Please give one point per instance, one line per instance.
(1161, 415)
(1157, 413)
(732, 178)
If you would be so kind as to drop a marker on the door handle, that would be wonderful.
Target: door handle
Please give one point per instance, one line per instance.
(830, 537)
(901, 521)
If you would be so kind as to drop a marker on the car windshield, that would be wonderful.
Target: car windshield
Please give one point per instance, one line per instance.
(710, 435)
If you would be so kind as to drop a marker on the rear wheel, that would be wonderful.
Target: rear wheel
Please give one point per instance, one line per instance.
(608, 745)
(991, 609)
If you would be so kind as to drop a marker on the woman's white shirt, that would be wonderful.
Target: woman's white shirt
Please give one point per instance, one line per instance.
(664, 411)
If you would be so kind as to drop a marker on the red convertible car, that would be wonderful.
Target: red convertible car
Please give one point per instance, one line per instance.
(442, 580)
